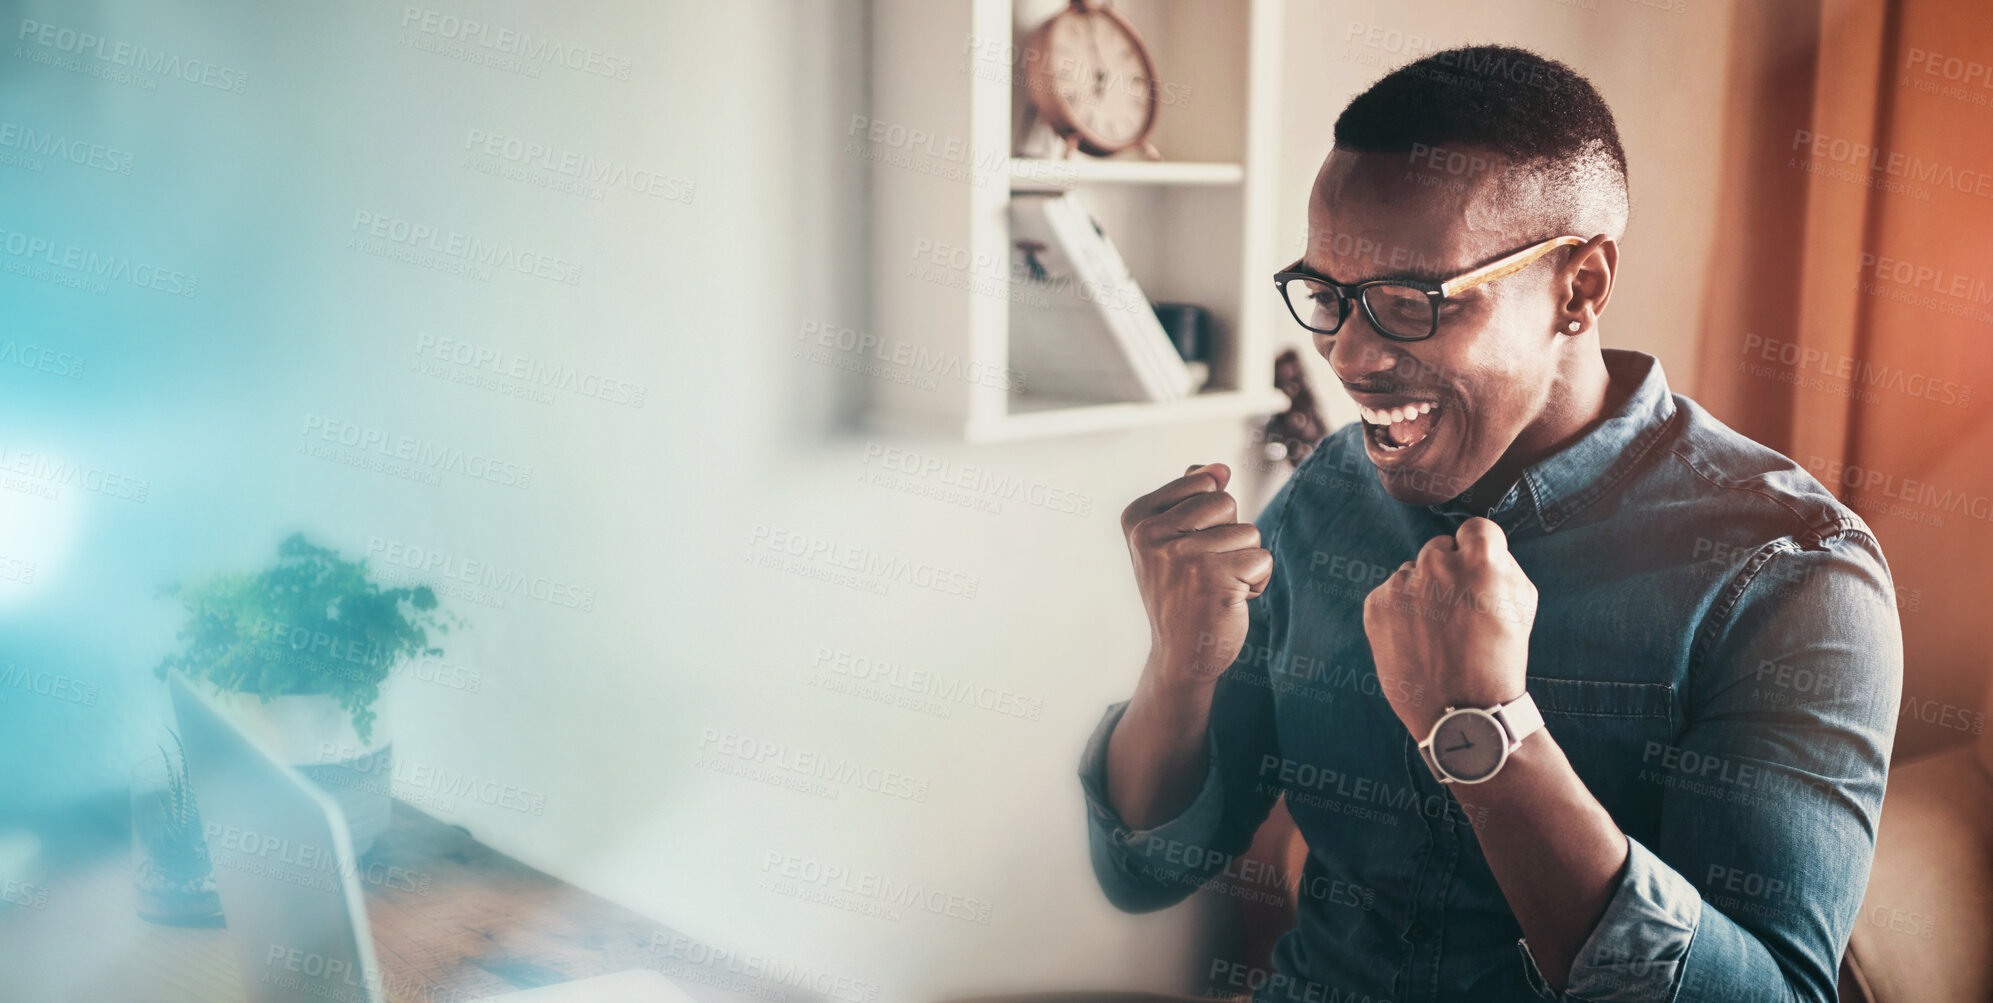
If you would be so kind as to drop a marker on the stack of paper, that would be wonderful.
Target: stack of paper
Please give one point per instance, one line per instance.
(1080, 327)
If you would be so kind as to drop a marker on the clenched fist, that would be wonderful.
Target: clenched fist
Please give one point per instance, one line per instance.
(1452, 627)
(1196, 565)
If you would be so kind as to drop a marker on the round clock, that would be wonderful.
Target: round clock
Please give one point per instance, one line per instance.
(1091, 79)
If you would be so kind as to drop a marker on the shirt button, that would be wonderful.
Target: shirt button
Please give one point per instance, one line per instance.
(1418, 931)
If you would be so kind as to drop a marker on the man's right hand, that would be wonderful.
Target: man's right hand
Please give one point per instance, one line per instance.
(1196, 565)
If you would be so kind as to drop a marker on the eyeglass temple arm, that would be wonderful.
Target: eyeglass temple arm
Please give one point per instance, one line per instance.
(1505, 266)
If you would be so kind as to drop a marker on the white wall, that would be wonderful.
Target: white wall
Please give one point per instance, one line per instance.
(656, 509)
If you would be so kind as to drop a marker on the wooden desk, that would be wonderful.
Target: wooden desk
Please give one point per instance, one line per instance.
(483, 924)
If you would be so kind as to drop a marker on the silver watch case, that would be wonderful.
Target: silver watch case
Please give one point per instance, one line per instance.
(1516, 720)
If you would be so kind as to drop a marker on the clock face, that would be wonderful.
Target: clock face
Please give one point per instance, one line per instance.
(1469, 746)
(1101, 76)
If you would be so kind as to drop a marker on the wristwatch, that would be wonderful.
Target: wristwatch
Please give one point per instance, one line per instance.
(1469, 745)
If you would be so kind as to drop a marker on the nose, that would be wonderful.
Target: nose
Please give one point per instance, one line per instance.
(1358, 353)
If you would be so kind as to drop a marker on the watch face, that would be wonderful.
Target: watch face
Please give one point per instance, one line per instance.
(1469, 745)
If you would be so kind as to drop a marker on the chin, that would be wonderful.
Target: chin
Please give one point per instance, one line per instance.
(1416, 487)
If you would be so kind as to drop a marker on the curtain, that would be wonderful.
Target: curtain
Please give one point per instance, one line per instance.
(1849, 316)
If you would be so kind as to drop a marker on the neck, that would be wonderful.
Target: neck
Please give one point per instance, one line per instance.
(1581, 398)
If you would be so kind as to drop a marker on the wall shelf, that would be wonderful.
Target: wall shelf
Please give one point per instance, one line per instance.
(1081, 418)
(1026, 173)
(1196, 227)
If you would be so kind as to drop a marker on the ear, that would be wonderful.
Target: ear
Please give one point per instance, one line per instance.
(1585, 283)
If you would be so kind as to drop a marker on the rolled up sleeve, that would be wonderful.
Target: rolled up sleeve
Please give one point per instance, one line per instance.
(1145, 869)
(1142, 870)
(1771, 794)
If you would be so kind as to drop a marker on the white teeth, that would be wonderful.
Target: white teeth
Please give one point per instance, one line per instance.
(1395, 415)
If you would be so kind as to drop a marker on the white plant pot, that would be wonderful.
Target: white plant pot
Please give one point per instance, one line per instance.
(316, 735)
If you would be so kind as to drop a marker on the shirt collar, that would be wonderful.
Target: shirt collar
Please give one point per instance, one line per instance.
(1558, 486)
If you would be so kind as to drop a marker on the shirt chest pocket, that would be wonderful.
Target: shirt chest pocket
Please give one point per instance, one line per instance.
(1607, 730)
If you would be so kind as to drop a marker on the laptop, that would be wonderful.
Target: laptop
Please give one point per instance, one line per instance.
(289, 881)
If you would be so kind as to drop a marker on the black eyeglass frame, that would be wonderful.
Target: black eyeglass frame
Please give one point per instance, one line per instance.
(1436, 292)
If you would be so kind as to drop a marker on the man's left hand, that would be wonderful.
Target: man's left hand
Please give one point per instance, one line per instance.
(1451, 628)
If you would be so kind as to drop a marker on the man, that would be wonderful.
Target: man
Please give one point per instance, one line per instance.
(1570, 688)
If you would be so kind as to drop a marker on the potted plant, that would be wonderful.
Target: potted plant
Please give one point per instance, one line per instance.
(175, 879)
(298, 653)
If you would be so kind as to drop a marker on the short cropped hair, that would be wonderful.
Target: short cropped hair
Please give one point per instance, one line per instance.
(1566, 169)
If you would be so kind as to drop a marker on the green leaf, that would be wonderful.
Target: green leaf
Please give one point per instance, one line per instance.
(312, 623)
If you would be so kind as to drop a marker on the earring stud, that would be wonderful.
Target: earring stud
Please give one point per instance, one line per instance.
(1573, 326)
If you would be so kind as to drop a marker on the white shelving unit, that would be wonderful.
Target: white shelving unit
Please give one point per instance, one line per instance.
(1081, 171)
(1195, 227)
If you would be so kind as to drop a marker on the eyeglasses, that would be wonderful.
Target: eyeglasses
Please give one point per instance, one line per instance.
(1399, 309)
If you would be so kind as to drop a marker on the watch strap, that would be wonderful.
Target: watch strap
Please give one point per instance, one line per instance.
(1521, 717)
(1432, 762)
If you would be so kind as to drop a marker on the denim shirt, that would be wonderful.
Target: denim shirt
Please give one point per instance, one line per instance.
(1716, 649)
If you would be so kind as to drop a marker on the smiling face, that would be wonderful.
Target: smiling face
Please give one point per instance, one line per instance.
(1439, 414)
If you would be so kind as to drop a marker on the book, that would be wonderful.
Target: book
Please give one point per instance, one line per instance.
(1081, 327)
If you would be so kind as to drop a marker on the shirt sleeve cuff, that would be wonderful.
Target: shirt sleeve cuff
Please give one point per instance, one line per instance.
(1193, 827)
(1636, 953)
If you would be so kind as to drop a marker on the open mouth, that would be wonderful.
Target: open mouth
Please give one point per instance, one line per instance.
(1396, 429)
